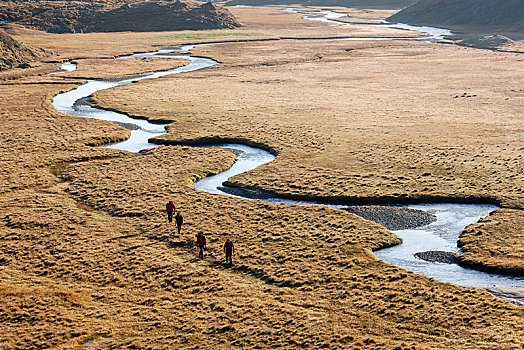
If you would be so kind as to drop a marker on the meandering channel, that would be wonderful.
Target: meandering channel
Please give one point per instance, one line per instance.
(432, 34)
(440, 235)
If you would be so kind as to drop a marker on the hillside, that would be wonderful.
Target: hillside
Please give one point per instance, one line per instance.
(13, 54)
(107, 16)
(476, 15)
(375, 4)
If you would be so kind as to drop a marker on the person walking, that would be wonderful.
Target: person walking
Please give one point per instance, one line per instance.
(179, 221)
(229, 249)
(170, 208)
(201, 244)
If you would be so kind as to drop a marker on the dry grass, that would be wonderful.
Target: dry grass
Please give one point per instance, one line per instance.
(107, 45)
(371, 14)
(86, 253)
(274, 21)
(39, 69)
(34, 135)
(117, 280)
(354, 117)
(317, 255)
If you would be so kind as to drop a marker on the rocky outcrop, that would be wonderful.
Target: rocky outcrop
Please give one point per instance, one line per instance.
(102, 16)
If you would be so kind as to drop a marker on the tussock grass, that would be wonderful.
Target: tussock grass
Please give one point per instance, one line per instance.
(34, 136)
(494, 244)
(306, 251)
(340, 138)
(267, 23)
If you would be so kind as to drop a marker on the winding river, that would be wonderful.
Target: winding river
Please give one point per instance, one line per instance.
(432, 34)
(439, 235)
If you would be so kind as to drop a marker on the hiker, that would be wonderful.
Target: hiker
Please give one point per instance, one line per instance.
(179, 221)
(229, 250)
(201, 244)
(170, 208)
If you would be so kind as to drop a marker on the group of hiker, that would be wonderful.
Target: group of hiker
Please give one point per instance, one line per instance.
(201, 242)
(170, 208)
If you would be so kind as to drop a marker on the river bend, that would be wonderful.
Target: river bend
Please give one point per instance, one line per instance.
(439, 235)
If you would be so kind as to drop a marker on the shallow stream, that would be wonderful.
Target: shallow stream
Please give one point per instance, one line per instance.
(431, 33)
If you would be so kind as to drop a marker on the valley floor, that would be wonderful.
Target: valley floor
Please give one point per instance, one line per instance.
(86, 254)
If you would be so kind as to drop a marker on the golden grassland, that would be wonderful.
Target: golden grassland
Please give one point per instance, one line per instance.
(86, 253)
(273, 20)
(19, 74)
(99, 263)
(356, 12)
(360, 121)
(34, 136)
(106, 45)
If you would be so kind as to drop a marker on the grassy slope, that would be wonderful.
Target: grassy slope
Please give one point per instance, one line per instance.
(468, 16)
(483, 12)
(13, 54)
(113, 16)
